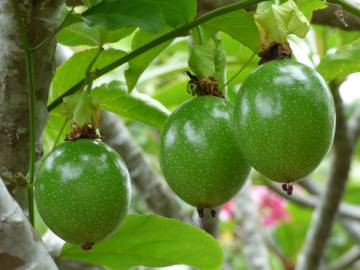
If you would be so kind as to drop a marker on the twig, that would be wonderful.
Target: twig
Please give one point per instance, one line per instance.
(347, 260)
(325, 213)
(346, 210)
(346, 5)
(208, 223)
(241, 69)
(32, 104)
(354, 125)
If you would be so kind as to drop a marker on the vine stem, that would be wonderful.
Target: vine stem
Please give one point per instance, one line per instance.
(89, 74)
(32, 105)
(180, 31)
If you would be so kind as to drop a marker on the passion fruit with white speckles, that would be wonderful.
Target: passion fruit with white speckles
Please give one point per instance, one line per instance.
(285, 119)
(82, 191)
(199, 156)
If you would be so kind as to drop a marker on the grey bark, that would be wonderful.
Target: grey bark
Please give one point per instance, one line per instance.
(208, 223)
(249, 230)
(42, 19)
(20, 248)
(158, 197)
(19, 245)
(325, 213)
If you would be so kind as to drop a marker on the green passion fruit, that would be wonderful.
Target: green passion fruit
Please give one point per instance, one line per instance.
(82, 191)
(285, 120)
(199, 155)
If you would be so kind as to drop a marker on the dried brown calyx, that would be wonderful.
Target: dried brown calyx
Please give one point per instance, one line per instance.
(275, 52)
(203, 86)
(82, 132)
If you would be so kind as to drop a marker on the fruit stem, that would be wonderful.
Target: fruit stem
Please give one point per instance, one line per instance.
(180, 31)
(60, 132)
(90, 75)
(32, 104)
(241, 69)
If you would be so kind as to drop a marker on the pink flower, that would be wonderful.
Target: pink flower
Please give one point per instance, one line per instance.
(272, 207)
(227, 210)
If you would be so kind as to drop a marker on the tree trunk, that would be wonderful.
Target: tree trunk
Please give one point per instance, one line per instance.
(41, 18)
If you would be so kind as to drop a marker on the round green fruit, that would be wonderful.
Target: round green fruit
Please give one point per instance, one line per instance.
(82, 191)
(199, 156)
(285, 120)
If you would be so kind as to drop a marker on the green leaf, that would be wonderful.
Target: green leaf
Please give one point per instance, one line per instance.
(81, 34)
(114, 97)
(289, 236)
(123, 13)
(341, 63)
(140, 63)
(239, 25)
(276, 22)
(177, 12)
(172, 94)
(152, 241)
(308, 7)
(73, 70)
(209, 60)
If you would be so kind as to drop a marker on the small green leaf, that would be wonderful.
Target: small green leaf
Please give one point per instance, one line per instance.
(140, 63)
(239, 25)
(341, 63)
(209, 60)
(177, 12)
(114, 97)
(276, 22)
(171, 95)
(73, 70)
(83, 109)
(308, 7)
(152, 241)
(81, 34)
(123, 13)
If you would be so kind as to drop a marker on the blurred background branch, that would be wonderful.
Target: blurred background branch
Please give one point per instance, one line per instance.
(324, 215)
(151, 185)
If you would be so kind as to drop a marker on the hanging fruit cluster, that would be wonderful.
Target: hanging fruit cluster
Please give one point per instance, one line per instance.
(282, 123)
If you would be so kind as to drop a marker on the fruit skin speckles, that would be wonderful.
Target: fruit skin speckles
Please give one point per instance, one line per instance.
(285, 119)
(199, 155)
(82, 191)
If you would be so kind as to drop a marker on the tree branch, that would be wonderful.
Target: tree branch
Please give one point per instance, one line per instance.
(19, 246)
(325, 213)
(346, 210)
(208, 223)
(157, 196)
(347, 260)
(249, 230)
(354, 125)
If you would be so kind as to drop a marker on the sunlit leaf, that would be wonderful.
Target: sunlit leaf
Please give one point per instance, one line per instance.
(152, 241)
